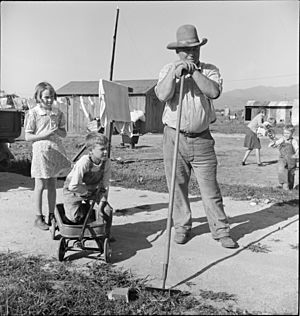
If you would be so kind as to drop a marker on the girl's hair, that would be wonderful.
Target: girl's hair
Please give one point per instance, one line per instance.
(95, 138)
(42, 86)
(289, 127)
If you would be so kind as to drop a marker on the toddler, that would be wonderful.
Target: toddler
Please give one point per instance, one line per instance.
(288, 154)
(267, 128)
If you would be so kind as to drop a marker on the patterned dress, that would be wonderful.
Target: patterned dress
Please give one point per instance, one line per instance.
(49, 158)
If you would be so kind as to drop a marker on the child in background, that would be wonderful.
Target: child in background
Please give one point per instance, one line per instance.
(267, 128)
(91, 172)
(45, 126)
(288, 154)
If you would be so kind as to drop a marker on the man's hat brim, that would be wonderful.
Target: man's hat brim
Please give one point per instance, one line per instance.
(175, 45)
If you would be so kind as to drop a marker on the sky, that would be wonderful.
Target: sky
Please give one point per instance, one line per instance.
(251, 42)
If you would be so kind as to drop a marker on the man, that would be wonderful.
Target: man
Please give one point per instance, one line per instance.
(202, 83)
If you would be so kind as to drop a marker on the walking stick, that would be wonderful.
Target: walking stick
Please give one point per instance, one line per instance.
(172, 190)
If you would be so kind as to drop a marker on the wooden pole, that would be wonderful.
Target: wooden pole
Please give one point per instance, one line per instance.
(111, 124)
(114, 47)
(172, 189)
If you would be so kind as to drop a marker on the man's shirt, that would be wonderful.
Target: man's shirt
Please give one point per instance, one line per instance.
(197, 109)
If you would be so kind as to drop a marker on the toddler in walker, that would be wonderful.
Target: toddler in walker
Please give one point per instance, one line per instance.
(267, 128)
(288, 154)
(89, 174)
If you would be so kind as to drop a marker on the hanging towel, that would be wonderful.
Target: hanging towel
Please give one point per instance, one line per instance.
(114, 101)
(114, 106)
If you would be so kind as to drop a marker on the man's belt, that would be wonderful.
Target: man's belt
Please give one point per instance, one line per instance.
(190, 135)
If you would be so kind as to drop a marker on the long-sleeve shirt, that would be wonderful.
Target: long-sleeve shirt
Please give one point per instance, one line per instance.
(86, 176)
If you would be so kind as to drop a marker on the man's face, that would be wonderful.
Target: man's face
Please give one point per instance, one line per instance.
(189, 53)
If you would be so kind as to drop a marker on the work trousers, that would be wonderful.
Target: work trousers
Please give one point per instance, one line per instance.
(195, 153)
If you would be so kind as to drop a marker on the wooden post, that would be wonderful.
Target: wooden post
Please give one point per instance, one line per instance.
(111, 124)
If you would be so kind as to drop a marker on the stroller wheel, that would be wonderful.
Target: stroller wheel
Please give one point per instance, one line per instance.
(107, 251)
(62, 249)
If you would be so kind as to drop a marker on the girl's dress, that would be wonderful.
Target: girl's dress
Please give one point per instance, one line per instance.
(49, 158)
(251, 140)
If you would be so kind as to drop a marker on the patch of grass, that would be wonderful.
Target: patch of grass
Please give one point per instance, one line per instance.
(37, 286)
(144, 175)
(225, 126)
(217, 296)
(295, 247)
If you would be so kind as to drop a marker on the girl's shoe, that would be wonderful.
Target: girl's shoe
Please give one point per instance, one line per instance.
(40, 222)
(50, 217)
(243, 163)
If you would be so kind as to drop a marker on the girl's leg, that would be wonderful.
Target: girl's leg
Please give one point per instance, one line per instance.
(257, 151)
(51, 183)
(248, 151)
(40, 185)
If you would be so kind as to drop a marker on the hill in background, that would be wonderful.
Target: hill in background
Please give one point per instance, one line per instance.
(236, 99)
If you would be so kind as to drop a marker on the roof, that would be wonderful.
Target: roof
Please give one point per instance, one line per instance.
(91, 88)
(271, 104)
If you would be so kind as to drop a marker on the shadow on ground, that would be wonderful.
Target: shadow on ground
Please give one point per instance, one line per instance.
(132, 237)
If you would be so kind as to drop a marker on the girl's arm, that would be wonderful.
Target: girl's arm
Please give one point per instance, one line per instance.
(33, 137)
(61, 129)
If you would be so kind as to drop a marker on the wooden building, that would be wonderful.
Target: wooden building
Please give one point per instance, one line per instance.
(141, 97)
(280, 110)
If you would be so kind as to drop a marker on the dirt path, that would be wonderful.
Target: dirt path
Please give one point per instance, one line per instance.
(261, 276)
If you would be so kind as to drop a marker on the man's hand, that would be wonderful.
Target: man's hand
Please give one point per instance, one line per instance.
(184, 67)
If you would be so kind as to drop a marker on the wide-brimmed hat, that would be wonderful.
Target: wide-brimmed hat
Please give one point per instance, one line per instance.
(187, 37)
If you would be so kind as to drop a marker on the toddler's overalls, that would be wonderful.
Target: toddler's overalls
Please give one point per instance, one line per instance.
(286, 164)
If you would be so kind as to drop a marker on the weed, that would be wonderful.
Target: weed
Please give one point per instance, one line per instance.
(259, 248)
(217, 296)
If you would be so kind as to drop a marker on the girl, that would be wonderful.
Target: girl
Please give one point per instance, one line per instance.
(251, 140)
(44, 126)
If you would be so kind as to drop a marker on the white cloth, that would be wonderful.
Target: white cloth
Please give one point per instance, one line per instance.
(137, 115)
(114, 106)
(124, 128)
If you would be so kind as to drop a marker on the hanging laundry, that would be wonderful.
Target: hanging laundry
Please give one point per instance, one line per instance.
(114, 106)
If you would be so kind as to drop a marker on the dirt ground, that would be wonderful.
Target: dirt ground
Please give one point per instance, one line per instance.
(260, 276)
